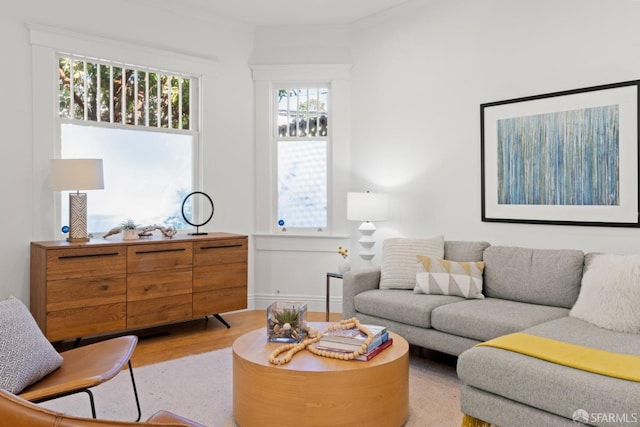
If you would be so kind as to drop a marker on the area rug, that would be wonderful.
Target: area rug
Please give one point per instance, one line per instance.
(200, 387)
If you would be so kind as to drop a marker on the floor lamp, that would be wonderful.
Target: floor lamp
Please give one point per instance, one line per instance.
(367, 207)
(76, 175)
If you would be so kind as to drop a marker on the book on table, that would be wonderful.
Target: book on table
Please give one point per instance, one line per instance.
(329, 345)
(353, 336)
(369, 355)
(365, 356)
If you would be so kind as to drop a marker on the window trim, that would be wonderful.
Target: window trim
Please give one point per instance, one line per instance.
(266, 79)
(46, 42)
(275, 138)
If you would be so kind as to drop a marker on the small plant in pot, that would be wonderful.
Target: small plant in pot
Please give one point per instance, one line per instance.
(129, 229)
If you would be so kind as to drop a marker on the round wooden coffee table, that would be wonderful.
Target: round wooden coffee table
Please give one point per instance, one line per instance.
(318, 391)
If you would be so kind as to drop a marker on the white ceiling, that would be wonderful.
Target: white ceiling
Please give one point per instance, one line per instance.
(289, 12)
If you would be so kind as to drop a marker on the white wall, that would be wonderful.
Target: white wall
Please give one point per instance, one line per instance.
(419, 76)
(293, 268)
(228, 164)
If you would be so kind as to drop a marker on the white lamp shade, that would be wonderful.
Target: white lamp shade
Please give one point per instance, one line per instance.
(367, 206)
(76, 174)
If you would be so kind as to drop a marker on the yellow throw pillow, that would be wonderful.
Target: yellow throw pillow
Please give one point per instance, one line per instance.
(442, 277)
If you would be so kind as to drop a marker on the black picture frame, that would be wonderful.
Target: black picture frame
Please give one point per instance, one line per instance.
(562, 158)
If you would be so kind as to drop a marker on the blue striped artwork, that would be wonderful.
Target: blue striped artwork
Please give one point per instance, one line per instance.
(560, 158)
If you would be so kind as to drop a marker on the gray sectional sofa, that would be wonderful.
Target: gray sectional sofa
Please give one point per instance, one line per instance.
(525, 290)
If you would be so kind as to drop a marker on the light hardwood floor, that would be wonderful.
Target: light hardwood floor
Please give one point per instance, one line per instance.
(182, 339)
(200, 336)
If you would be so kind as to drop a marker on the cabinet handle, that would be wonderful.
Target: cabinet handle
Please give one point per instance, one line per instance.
(160, 250)
(87, 255)
(221, 247)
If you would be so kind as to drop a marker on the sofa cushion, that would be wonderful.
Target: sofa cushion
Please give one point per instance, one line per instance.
(486, 319)
(610, 292)
(551, 387)
(537, 276)
(401, 305)
(398, 268)
(25, 354)
(444, 277)
(459, 250)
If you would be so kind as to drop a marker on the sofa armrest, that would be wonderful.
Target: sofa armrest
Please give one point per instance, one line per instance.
(355, 282)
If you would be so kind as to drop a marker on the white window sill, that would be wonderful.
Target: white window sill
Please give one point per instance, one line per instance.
(298, 242)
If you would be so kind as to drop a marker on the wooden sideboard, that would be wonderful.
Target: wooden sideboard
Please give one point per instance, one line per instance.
(111, 285)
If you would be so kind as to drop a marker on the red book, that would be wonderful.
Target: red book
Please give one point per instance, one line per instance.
(368, 356)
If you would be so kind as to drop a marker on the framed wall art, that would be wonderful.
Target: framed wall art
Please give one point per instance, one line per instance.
(567, 158)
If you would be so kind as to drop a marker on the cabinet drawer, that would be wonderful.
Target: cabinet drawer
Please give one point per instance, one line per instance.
(159, 257)
(155, 285)
(86, 292)
(220, 276)
(225, 251)
(158, 310)
(86, 321)
(89, 262)
(220, 301)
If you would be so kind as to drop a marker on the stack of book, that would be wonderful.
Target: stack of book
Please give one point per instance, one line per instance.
(350, 340)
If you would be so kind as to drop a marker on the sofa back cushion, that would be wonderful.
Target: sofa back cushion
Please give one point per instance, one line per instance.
(537, 276)
(462, 251)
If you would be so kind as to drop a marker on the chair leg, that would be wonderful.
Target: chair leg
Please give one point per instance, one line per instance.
(91, 401)
(135, 391)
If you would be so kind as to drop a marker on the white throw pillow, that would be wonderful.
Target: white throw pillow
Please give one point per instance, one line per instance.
(610, 292)
(442, 277)
(398, 269)
(26, 355)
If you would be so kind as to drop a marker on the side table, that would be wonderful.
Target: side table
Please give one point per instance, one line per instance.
(329, 276)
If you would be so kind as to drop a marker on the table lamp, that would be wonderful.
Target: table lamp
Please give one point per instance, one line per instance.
(76, 175)
(367, 207)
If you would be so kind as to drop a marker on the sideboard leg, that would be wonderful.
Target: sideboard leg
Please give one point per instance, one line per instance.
(217, 316)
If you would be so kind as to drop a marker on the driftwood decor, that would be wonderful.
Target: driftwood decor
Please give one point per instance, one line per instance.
(146, 231)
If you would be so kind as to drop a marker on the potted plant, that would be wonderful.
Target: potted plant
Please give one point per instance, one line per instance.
(129, 228)
(286, 321)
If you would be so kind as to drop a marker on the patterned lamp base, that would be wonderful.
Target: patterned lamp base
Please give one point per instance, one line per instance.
(78, 217)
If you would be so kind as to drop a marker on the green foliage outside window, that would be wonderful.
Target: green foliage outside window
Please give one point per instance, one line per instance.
(113, 94)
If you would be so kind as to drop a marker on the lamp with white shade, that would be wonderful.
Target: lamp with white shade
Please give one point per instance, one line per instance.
(76, 175)
(367, 207)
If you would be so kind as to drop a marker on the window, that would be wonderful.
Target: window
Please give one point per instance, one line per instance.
(301, 138)
(302, 118)
(139, 122)
(48, 45)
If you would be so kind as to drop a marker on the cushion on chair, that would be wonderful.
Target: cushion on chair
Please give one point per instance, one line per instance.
(26, 355)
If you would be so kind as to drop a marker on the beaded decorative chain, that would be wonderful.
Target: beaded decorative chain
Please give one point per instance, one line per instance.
(313, 337)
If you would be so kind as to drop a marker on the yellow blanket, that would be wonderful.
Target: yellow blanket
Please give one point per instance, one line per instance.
(623, 366)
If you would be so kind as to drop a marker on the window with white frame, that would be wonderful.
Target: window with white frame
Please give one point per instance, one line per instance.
(139, 121)
(301, 139)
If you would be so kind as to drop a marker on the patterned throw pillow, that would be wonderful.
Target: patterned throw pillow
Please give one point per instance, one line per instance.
(443, 277)
(398, 269)
(25, 354)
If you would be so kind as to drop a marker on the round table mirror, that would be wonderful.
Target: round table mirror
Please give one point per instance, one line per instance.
(190, 214)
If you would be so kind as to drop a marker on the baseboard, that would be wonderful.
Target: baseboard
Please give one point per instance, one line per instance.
(314, 303)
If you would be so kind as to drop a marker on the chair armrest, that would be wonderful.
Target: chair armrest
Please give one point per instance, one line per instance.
(166, 417)
(355, 282)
